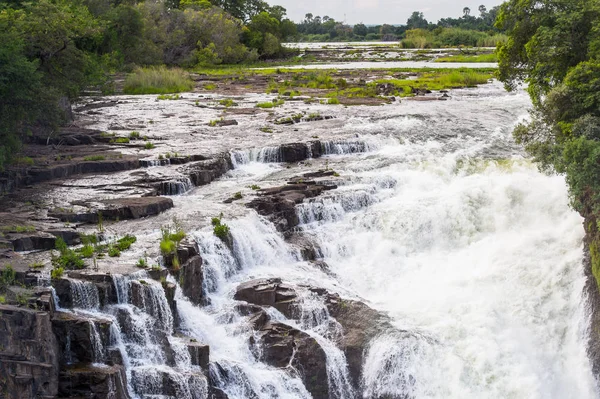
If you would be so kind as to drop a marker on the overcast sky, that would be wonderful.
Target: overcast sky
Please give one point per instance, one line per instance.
(380, 11)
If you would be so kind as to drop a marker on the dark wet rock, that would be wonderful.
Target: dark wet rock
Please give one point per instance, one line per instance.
(74, 336)
(269, 292)
(227, 122)
(29, 353)
(309, 250)
(38, 175)
(93, 382)
(204, 172)
(294, 152)
(117, 209)
(191, 277)
(385, 89)
(284, 346)
(34, 241)
(199, 354)
(150, 382)
(279, 203)
(359, 322)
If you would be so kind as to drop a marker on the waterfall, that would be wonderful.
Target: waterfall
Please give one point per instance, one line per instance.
(84, 294)
(97, 346)
(176, 187)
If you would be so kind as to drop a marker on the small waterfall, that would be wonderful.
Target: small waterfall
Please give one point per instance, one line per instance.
(84, 294)
(316, 321)
(151, 163)
(96, 341)
(263, 155)
(342, 147)
(55, 299)
(334, 207)
(176, 187)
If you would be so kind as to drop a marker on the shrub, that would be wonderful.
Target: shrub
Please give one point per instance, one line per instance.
(255, 187)
(114, 251)
(2, 299)
(221, 230)
(67, 258)
(158, 80)
(333, 101)
(238, 195)
(228, 102)
(167, 246)
(149, 145)
(87, 251)
(8, 276)
(142, 263)
(125, 243)
(57, 273)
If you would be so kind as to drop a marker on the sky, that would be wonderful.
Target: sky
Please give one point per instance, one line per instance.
(380, 11)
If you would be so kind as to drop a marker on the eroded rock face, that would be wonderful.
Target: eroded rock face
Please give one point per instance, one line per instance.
(191, 277)
(279, 203)
(28, 353)
(359, 322)
(284, 346)
(93, 382)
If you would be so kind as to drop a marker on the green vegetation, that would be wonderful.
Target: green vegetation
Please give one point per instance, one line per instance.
(469, 58)
(20, 229)
(57, 273)
(220, 229)
(266, 130)
(142, 263)
(450, 37)
(228, 102)
(238, 196)
(36, 265)
(554, 47)
(271, 104)
(124, 243)
(93, 158)
(149, 145)
(53, 49)
(168, 97)
(114, 251)
(255, 187)
(333, 101)
(24, 161)
(2, 299)
(134, 135)
(66, 258)
(210, 86)
(172, 235)
(8, 276)
(120, 140)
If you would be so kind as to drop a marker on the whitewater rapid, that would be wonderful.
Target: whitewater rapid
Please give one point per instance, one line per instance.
(440, 221)
(451, 230)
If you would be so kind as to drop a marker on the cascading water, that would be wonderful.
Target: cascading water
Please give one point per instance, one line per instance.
(438, 221)
(85, 295)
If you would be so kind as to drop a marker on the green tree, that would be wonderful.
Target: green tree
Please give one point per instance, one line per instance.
(360, 30)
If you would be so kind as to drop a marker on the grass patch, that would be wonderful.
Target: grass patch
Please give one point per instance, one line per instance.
(469, 58)
(333, 101)
(134, 135)
(168, 97)
(120, 140)
(66, 258)
(8, 276)
(149, 146)
(158, 80)
(271, 104)
(57, 273)
(20, 229)
(23, 161)
(210, 86)
(94, 158)
(228, 102)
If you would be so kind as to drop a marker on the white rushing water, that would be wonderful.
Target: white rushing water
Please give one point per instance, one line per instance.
(459, 238)
(439, 221)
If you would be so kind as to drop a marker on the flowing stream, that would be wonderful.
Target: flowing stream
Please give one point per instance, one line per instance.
(441, 222)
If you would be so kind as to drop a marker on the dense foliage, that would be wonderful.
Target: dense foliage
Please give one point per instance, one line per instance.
(51, 49)
(447, 32)
(554, 47)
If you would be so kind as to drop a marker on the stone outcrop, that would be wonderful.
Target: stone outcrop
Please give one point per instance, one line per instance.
(117, 209)
(360, 323)
(279, 203)
(284, 346)
(204, 172)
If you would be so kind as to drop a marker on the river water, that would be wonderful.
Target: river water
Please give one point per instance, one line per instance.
(443, 224)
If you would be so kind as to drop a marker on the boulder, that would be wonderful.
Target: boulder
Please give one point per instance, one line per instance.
(199, 354)
(294, 152)
(269, 292)
(76, 339)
